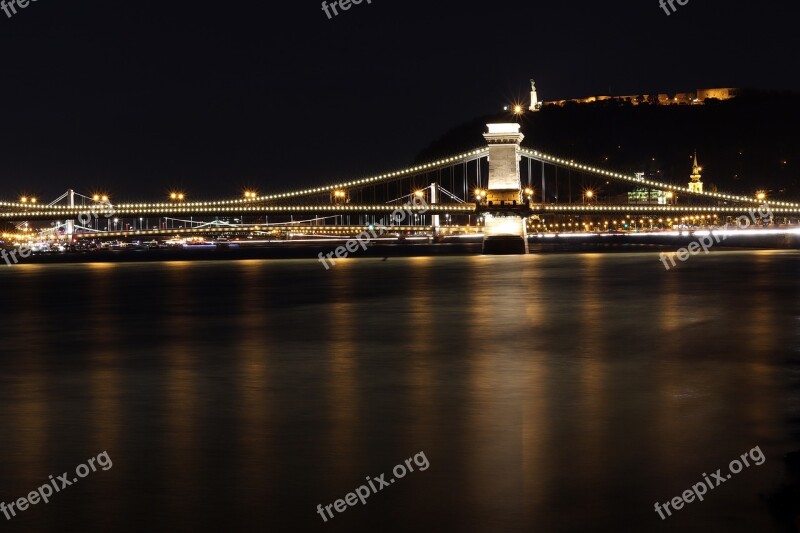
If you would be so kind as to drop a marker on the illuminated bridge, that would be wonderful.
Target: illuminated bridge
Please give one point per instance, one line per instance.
(501, 190)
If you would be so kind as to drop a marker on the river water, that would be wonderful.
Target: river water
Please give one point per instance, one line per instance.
(553, 393)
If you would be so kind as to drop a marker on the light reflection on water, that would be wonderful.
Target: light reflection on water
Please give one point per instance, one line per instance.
(553, 393)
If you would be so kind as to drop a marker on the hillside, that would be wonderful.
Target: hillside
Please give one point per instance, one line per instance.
(746, 144)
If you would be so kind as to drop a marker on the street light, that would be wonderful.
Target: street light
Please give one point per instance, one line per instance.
(761, 196)
(250, 194)
(480, 194)
(339, 197)
(529, 193)
(589, 195)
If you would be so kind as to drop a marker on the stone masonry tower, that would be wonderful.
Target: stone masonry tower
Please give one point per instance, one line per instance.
(504, 157)
(504, 213)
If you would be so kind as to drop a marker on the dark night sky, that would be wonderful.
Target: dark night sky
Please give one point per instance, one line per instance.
(138, 97)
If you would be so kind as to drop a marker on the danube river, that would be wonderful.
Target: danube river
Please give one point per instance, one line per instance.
(554, 393)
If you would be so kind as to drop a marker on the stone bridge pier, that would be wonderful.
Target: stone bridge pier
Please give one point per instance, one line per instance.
(503, 210)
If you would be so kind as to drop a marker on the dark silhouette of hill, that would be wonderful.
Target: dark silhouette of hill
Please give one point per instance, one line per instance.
(745, 144)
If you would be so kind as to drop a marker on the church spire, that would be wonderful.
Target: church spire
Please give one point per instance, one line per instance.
(696, 185)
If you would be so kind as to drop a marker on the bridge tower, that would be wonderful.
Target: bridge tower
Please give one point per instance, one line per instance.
(70, 229)
(435, 221)
(504, 212)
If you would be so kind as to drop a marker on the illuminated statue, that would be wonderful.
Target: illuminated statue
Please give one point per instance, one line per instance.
(534, 98)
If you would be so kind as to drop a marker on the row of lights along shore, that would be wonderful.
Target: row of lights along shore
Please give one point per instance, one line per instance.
(701, 220)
